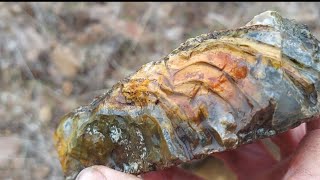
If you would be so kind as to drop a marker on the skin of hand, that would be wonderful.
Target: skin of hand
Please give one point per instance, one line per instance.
(299, 150)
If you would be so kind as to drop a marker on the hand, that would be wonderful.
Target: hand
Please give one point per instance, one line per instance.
(299, 150)
(105, 173)
(300, 159)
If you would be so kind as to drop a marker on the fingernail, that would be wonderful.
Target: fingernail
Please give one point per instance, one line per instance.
(91, 173)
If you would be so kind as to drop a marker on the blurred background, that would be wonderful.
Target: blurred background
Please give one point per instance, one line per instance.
(55, 57)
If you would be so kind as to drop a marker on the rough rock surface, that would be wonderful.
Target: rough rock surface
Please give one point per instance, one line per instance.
(215, 92)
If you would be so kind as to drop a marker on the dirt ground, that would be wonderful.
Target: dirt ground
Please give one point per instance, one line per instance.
(57, 56)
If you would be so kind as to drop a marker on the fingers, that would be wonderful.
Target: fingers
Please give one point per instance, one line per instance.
(305, 162)
(313, 124)
(275, 172)
(173, 173)
(248, 159)
(288, 141)
(103, 173)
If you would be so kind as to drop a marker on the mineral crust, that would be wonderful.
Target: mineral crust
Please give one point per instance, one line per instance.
(214, 93)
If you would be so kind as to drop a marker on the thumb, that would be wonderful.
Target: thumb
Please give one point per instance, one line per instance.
(104, 173)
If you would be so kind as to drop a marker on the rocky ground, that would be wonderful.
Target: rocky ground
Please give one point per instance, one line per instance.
(57, 56)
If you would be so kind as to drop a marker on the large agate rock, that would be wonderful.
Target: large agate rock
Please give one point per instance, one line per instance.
(214, 93)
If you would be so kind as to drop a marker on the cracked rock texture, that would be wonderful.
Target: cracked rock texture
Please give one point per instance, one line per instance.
(213, 93)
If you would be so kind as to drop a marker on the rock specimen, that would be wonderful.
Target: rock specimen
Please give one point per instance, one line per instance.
(214, 93)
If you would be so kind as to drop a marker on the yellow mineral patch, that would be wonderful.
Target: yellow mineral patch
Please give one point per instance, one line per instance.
(137, 90)
(245, 49)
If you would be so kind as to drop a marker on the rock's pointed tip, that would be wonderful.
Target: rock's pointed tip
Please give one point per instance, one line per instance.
(269, 18)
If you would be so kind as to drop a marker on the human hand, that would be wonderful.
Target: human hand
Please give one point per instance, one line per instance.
(105, 173)
(300, 159)
(299, 150)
